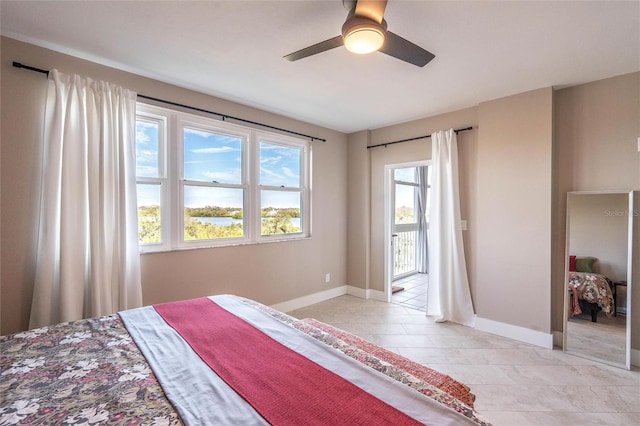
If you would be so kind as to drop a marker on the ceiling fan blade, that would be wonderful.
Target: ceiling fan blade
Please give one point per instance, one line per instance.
(323, 46)
(372, 9)
(403, 49)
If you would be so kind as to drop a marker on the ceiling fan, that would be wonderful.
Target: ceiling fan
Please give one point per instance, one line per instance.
(365, 31)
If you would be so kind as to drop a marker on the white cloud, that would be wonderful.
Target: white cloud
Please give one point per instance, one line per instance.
(200, 133)
(290, 173)
(264, 161)
(213, 150)
(142, 137)
(219, 138)
(146, 156)
(271, 173)
(147, 171)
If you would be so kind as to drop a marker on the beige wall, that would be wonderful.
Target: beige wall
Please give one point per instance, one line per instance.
(269, 273)
(513, 247)
(516, 166)
(527, 151)
(506, 134)
(596, 128)
(418, 150)
(359, 208)
(508, 150)
(513, 174)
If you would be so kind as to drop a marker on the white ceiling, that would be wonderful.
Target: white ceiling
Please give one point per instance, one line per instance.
(233, 50)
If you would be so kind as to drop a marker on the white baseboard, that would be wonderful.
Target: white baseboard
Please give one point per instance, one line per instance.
(515, 332)
(311, 299)
(377, 295)
(366, 294)
(357, 292)
(635, 357)
(510, 331)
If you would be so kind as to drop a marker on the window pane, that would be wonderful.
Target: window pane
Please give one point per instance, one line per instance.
(211, 213)
(147, 164)
(279, 165)
(149, 219)
(212, 157)
(406, 175)
(280, 212)
(405, 204)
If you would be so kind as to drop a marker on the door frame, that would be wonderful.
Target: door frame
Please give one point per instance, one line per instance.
(389, 192)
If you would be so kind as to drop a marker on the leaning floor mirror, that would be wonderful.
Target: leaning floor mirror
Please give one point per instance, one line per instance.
(598, 271)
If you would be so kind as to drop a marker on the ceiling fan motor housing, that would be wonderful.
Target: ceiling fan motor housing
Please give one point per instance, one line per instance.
(365, 31)
(363, 35)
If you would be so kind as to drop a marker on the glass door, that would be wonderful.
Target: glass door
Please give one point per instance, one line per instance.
(405, 221)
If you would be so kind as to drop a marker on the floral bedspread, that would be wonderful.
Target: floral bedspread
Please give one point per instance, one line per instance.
(86, 372)
(90, 372)
(593, 288)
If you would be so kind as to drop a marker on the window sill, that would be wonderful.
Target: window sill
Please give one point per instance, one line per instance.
(222, 246)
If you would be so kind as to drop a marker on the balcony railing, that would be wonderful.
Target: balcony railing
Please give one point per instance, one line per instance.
(404, 253)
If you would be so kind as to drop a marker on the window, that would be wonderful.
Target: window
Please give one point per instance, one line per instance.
(408, 232)
(281, 189)
(151, 178)
(406, 196)
(221, 184)
(213, 183)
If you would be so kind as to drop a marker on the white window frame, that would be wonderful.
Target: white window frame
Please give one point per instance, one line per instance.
(152, 115)
(173, 183)
(190, 121)
(303, 189)
(407, 226)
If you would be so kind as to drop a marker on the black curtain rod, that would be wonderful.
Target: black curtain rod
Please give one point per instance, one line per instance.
(223, 116)
(414, 139)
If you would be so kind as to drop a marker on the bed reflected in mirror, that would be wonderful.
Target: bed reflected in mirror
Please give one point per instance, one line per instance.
(598, 276)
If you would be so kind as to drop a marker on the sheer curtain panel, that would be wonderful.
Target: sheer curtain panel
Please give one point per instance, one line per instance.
(88, 263)
(423, 230)
(449, 297)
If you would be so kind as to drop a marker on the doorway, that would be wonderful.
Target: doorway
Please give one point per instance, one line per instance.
(406, 222)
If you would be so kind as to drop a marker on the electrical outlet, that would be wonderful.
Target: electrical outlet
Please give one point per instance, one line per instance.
(327, 278)
(639, 144)
(463, 224)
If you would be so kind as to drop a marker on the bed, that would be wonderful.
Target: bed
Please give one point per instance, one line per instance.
(590, 292)
(221, 360)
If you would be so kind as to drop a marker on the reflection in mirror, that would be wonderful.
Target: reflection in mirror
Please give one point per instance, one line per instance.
(598, 276)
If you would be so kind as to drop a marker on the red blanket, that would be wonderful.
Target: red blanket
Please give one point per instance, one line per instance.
(282, 385)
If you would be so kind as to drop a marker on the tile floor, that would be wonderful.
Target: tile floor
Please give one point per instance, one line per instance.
(414, 294)
(514, 383)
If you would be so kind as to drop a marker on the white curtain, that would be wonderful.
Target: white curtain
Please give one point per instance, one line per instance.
(422, 263)
(449, 297)
(88, 263)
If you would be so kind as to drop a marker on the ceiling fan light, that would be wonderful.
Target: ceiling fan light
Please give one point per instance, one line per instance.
(363, 40)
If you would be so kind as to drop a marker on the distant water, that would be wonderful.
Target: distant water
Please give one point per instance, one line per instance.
(222, 221)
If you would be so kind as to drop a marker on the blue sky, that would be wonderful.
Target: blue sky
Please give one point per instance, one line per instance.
(146, 149)
(210, 157)
(405, 194)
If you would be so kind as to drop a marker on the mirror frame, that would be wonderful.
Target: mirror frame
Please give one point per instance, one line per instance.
(630, 234)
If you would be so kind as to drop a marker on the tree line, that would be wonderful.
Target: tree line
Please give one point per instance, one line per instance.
(274, 221)
(236, 212)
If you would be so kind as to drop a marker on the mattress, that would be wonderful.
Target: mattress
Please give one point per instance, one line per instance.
(122, 369)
